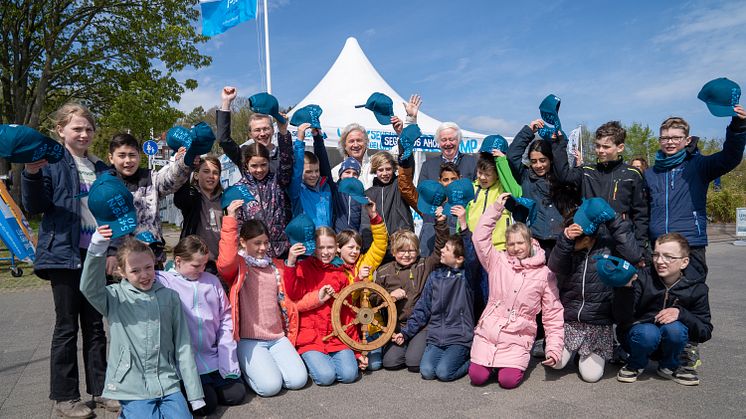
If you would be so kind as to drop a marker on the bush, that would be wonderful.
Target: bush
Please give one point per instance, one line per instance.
(721, 206)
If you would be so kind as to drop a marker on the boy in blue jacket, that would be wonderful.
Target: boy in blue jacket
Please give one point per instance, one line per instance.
(309, 191)
(446, 307)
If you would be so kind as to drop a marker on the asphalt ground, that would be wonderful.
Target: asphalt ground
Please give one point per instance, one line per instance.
(27, 321)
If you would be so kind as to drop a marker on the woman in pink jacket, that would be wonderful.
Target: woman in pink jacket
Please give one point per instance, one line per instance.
(520, 286)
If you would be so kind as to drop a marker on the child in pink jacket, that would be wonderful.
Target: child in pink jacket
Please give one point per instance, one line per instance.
(520, 286)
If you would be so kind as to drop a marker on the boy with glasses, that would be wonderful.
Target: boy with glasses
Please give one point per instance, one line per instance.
(679, 179)
(678, 184)
(661, 309)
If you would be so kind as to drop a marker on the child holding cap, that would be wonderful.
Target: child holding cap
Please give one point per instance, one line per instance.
(147, 187)
(59, 192)
(446, 308)
(309, 191)
(328, 359)
(265, 318)
(151, 351)
(659, 310)
(595, 230)
(520, 286)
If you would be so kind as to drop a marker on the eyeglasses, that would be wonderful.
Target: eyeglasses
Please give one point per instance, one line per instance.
(403, 251)
(666, 258)
(675, 140)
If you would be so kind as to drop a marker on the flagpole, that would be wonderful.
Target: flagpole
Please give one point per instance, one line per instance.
(266, 48)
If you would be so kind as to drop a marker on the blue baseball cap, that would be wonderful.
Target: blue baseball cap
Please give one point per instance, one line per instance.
(494, 142)
(382, 107)
(720, 95)
(546, 133)
(266, 104)
(198, 140)
(350, 163)
(593, 212)
(431, 195)
(307, 114)
(458, 192)
(235, 192)
(353, 187)
(21, 144)
(112, 204)
(523, 209)
(549, 110)
(614, 271)
(408, 136)
(301, 229)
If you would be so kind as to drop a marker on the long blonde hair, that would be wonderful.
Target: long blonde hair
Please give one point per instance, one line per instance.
(65, 114)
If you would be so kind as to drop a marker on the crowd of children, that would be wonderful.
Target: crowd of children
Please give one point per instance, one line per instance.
(516, 242)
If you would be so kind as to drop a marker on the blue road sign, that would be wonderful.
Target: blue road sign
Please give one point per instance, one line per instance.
(150, 147)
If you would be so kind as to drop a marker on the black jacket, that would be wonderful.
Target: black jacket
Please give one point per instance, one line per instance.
(620, 184)
(548, 223)
(392, 207)
(54, 192)
(648, 295)
(188, 199)
(585, 298)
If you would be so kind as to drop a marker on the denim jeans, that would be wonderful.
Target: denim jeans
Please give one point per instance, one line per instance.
(645, 338)
(72, 313)
(375, 357)
(446, 363)
(172, 406)
(337, 366)
(270, 365)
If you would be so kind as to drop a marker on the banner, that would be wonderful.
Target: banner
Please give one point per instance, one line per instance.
(220, 15)
(573, 143)
(14, 229)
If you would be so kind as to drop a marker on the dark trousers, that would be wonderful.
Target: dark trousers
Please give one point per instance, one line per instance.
(218, 391)
(697, 263)
(71, 307)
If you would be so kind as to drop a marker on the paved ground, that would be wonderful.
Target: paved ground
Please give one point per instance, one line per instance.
(27, 321)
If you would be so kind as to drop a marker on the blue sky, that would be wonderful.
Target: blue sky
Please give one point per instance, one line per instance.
(488, 64)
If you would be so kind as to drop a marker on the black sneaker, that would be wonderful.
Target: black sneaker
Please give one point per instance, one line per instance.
(628, 375)
(537, 350)
(690, 358)
(681, 375)
(619, 356)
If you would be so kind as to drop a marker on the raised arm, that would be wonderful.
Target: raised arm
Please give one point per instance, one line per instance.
(374, 256)
(93, 279)
(223, 122)
(518, 148)
(561, 166)
(407, 189)
(285, 150)
(722, 162)
(228, 257)
(482, 235)
(169, 179)
(299, 148)
(507, 180)
(319, 149)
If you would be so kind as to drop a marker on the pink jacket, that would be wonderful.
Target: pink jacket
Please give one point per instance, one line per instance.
(518, 290)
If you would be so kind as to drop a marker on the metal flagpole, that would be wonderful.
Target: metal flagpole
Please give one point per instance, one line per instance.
(266, 48)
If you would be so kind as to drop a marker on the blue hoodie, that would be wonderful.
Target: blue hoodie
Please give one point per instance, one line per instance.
(315, 201)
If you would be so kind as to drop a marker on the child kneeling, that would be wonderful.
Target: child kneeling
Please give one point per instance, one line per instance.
(208, 316)
(659, 311)
(520, 286)
(446, 307)
(149, 333)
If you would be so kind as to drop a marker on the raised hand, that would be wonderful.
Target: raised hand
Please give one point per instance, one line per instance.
(502, 198)
(283, 128)
(364, 272)
(573, 231)
(398, 124)
(536, 125)
(233, 207)
(413, 106)
(295, 250)
(371, 208)
(227, 96)
(302, 130)
(325, 293)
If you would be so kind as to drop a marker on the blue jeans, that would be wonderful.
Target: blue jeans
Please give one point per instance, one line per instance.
(446, 363)
(645, 338)
(326, 369)
(375, 357)
(270, 365)
(172, 406)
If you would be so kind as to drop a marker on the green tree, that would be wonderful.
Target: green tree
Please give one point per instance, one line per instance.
(101, 53)
(640, 142)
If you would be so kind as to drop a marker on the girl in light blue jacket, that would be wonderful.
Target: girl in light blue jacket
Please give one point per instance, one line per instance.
(150, 350)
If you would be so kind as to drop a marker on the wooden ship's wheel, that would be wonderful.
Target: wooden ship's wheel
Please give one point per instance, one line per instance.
(364, 315)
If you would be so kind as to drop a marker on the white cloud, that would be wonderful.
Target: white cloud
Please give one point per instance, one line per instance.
(370, 32)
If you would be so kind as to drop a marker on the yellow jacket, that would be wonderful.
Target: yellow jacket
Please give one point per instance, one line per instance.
(483, 198)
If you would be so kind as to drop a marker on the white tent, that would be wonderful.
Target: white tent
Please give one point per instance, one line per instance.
(349, 82)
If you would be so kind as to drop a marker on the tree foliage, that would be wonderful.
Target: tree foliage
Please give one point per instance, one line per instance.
(117, 57)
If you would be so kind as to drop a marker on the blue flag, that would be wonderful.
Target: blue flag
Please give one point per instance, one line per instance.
(220, 15)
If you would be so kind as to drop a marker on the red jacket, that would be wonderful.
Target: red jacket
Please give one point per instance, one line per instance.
(308, 276)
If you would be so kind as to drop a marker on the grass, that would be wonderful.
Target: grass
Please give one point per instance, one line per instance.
(27, 281)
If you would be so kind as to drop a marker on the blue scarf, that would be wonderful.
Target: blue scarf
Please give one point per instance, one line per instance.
(663, 162)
